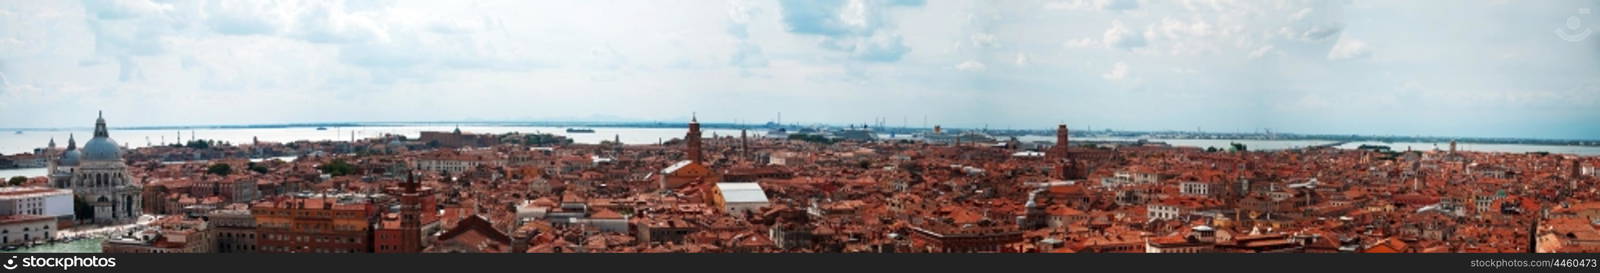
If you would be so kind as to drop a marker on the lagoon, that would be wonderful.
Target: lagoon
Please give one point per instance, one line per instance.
(135, 138)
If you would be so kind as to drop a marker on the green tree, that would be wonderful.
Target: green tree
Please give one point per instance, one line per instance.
(258, 168)
(17, 180)
(220, 169)
(338, 168)
(546, 139)
(200, 144)
(1238, 147)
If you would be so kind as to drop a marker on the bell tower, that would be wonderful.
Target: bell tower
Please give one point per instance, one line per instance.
(692, 140)
(411, 214)
(1065, 167)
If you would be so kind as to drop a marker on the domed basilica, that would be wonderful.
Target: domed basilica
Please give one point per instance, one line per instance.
(97, 176)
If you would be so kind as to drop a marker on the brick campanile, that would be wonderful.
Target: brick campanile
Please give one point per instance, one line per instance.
(692, 140)
(411, 214)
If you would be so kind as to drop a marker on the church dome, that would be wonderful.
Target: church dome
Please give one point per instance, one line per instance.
(72, 155)
(70, 158)
(101, 149)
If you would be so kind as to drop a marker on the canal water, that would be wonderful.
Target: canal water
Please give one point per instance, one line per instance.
(91, 245)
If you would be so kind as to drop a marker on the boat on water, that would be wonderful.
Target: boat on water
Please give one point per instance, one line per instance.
(580, 130)
(322, 128)
(19, 132)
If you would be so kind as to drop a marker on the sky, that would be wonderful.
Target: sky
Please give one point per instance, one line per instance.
(1476, 68)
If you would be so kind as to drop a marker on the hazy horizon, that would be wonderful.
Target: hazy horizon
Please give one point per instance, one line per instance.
(679, 122)
(1431, 68)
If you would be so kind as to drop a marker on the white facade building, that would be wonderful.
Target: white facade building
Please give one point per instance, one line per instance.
(24, 228)
(42, 201)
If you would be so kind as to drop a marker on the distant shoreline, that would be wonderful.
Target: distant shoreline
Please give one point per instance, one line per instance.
(1164, 134)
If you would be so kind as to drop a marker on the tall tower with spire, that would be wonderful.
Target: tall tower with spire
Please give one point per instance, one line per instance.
(692, 140)
(411, 214)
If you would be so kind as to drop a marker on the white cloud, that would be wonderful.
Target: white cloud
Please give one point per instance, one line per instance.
(1108, 5)
(1260, 52)
(1118, 72)
(249, 17)
(1321, 33)
(1300, 15)
(1121, 37)
(1082, 43)
(125, 9)
(1179, 37)
(1117, 4)
(1172, 28)
(972, 66)
(1021, 59)
(985, 40)
(1348, 49)
(332, 24)
(749, 55)
(739, 11)
(862, 28)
